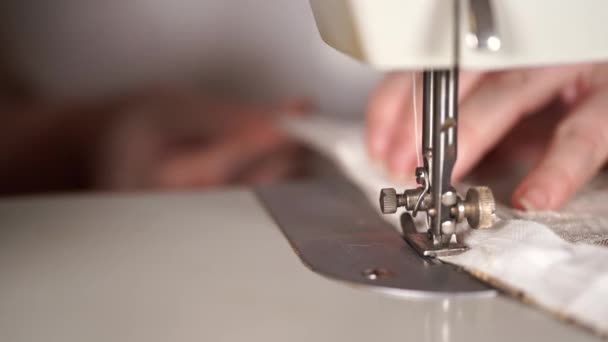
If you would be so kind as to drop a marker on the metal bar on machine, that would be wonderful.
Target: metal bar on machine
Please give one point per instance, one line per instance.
(445, 89)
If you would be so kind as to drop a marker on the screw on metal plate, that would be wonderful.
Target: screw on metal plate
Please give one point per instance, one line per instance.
(376, 273)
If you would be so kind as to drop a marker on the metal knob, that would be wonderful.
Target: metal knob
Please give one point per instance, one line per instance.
(388, 201)
(480, 207)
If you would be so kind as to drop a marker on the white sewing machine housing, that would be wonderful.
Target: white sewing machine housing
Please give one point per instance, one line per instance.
(419, 34)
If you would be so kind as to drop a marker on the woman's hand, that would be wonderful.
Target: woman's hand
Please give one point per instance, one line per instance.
(180, 139)
(491, 104)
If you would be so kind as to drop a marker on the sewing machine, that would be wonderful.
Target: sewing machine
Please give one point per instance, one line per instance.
(291, 262)
(442, 37)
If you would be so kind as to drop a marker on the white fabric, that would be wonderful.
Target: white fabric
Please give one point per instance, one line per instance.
(548, 257)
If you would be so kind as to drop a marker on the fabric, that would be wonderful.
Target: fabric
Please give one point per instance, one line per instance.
(554, 260)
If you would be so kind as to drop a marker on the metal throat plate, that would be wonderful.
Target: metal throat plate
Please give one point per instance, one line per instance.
(336, 233)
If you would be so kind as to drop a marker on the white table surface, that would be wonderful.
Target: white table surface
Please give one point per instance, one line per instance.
(207, 266)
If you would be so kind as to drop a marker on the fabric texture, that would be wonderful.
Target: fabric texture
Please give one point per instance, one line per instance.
(555, 260)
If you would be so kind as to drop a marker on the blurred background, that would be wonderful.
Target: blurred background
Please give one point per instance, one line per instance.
(153, 94)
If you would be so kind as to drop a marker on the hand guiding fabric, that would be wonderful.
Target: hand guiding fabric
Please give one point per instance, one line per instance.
(491, 105)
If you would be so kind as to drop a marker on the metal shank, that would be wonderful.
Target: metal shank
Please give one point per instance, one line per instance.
(440, 132)
(436, 196)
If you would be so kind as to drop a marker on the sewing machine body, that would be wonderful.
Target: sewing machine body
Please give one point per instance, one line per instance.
(419, 34)
(209, 267)
(441, 38)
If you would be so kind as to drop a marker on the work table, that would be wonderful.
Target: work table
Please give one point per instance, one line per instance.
(208, 266)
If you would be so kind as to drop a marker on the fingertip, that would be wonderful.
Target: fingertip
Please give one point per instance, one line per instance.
(531, 198)
(535, 194)
(516, 201)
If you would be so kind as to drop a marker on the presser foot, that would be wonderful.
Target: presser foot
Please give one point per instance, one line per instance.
(424, 243)
(477, 209)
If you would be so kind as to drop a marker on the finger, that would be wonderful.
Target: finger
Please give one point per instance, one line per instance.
(572, 92)
(403, 147)
(498, 103)
(223, 160)
(467, 82)
(385, 106)
(578, 150)
(194, 115)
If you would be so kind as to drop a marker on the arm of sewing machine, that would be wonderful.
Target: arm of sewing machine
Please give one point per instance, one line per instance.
(441, 37)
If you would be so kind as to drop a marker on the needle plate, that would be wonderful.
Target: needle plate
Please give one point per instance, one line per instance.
(335, 232)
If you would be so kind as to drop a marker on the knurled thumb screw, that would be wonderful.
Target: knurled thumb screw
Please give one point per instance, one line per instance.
(390, 200)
